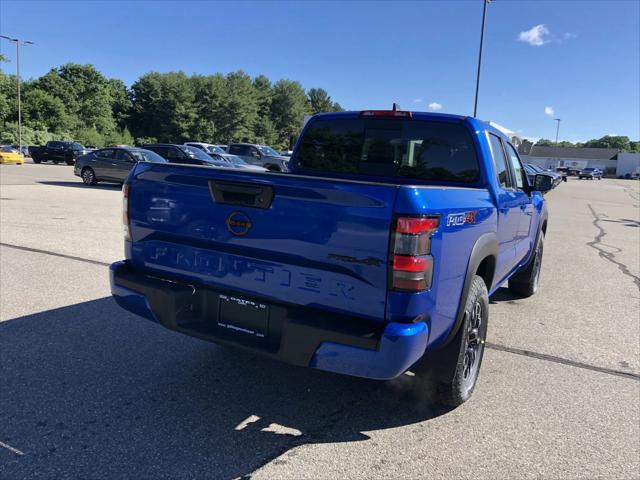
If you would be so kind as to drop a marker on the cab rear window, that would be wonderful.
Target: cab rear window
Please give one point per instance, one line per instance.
(424, 150)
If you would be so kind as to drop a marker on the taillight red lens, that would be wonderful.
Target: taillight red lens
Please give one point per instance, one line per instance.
(125, 211)
(416, 224)
(410, 264)
(412, 268)
(386, 113)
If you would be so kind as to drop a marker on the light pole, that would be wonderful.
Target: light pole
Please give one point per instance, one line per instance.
(557, 129)
(484, 15)
(18, 43)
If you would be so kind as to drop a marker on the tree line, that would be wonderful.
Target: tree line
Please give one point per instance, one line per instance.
(77, 102)
(619, 142)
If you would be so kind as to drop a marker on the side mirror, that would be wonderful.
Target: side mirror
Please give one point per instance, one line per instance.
(542, 182)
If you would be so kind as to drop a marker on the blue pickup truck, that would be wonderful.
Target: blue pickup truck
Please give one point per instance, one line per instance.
(374, 255)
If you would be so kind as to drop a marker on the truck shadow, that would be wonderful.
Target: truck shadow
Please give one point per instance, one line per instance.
(79, 184)
(503, 295)
(90, 391)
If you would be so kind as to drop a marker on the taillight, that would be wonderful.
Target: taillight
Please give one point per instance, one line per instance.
(386, 113)
(412, 268)
(125, 211)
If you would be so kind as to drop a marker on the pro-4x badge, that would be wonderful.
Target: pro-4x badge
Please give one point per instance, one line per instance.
(458, 219)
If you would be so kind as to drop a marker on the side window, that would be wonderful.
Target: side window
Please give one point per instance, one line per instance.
(176, 155)
(162, 151)
(123, 156)
(106, 153)
(499, 161)
(236, 150)
(518, 171)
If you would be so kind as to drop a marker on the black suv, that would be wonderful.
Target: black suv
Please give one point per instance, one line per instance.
(184, 154)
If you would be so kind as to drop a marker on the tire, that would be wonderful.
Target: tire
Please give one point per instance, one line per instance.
(69, 162)
(36, 160)
(525, 283)
(88, 176)
(470, 340)
(55, 162)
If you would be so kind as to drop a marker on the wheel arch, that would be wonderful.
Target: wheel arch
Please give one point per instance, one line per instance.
(482, 262)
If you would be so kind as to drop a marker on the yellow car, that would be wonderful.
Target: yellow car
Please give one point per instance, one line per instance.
(10, 155)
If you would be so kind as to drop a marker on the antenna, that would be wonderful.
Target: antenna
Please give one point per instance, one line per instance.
(396, 107)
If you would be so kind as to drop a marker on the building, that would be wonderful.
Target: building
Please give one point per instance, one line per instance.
(610, 160)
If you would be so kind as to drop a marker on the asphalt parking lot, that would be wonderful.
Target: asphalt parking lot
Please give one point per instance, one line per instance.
(88, 390)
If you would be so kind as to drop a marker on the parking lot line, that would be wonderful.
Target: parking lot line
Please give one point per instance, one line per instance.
(563, 361)
(11, 449)
(55, 254)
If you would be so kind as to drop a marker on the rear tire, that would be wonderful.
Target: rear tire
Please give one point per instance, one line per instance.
(471, 339)
(88, 176)
(525, 283)
(69, 162)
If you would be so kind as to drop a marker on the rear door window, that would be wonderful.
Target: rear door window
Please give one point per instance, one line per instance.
(239, 150)
(107, 153)
(424, 150)
(518, 171)
(499, 161)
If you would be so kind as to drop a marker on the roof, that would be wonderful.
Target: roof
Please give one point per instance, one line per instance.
(574, 152)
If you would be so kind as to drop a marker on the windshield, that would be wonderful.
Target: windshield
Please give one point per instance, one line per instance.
(589, 169)
(535, 168)
(268, 151)
(8, 150)
(426, 150)
(194, 152)
(214, 149)
(76, 146)
(234, 159)
(146, 156)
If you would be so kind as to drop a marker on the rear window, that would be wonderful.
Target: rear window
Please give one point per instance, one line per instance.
(424, 150)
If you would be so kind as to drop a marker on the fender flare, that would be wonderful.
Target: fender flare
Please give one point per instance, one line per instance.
(486, 245)
(444, 357)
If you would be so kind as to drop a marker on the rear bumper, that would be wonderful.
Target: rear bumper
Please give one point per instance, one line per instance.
(296, 335)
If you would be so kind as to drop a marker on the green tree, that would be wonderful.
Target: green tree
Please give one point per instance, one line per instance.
(238, 111)
(320, 100)
(43, 111)
(85, 93)
(610, 141)
(288, 109)
(163, 107)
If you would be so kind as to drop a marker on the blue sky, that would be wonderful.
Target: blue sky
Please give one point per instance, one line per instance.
(581, 59)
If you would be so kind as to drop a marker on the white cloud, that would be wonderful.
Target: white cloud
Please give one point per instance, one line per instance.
(435, 106)
(549, 111)
(536, 36)
(417, 100)
(568, 35)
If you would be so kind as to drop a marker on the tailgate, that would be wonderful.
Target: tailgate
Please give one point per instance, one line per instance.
(300, 240)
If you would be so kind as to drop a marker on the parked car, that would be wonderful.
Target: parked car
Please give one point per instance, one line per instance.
(206, 147)
(236, 161)
(23, 150)
(112, 164)
(57, 152)
(590, 173)
(8, 154)
(185, 154)
(369, 261)
(261, 155)
(533, 170)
